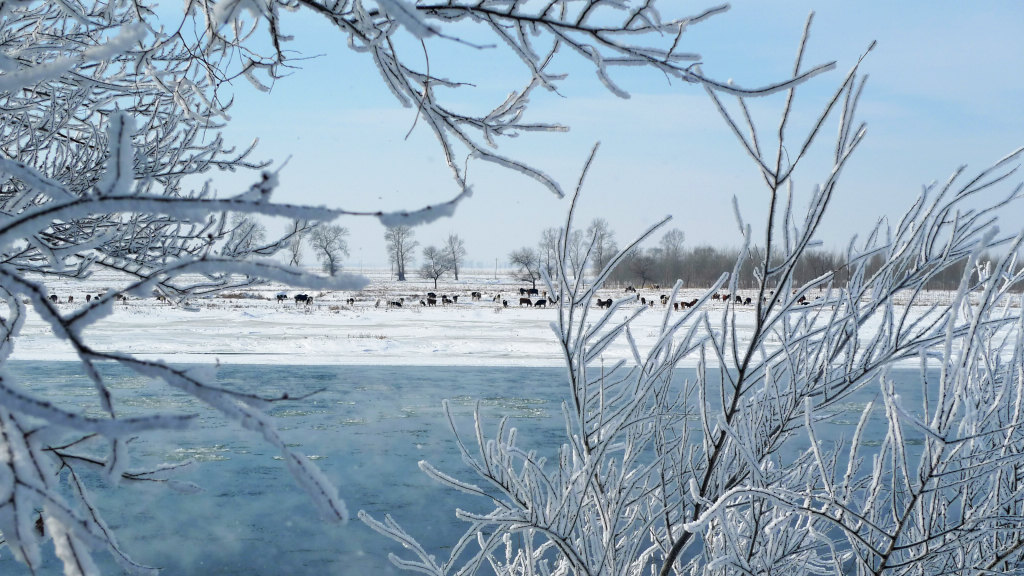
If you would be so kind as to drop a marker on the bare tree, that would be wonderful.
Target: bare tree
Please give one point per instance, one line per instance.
(328, 242)
(577, 251)
(299, 230)
(727, 472)
(643, 265)
(547, 250)
(455, 250)
(247, 235)
(400, 246)
(602, 243)
(671, 245)
(527, 265)
(436, 263)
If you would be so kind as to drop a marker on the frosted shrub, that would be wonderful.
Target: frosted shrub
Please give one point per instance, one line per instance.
(725, 472)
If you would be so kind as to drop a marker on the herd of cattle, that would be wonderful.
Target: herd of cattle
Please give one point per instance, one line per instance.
(528, 297)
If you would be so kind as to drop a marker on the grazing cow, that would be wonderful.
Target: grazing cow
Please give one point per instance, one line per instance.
(497, 297)
(476, 296)
(746, 301)
(664, 299)
(643, 301)
(504, 303)
(88, 297)
(53, 298)
(351, 301)
(604, 303)
(396, 303)
(301, 299)
(281, 297)
(540, 303)
(525, 302)
(522, 291)
(716, 296)
(533, 292)
(675, 306)
(431, 301)
(455, 299)
(739, 300)
(630, 289)
(422, 303)
(431, 295)
(553, 300)
(71, 299)
(445, 300)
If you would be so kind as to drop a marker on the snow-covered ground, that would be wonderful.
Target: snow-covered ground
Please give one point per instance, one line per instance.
(251, 327)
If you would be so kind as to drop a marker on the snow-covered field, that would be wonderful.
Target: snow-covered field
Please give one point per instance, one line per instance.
(251, 327)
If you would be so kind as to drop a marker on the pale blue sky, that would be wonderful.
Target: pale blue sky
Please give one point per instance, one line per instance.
(946, 87)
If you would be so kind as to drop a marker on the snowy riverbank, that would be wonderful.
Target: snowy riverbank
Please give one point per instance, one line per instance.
(250, 326)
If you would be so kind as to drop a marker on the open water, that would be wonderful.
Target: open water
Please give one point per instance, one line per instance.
(366, 429)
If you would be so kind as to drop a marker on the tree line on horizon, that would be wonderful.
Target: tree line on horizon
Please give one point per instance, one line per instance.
(661, 265)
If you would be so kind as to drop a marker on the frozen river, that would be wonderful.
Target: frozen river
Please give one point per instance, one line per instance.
(367, 430)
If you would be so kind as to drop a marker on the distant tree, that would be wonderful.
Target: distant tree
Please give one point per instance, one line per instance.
(294, 248)
(247, 236)
(643, 266)
(400, 245)
(455, 249)
(603, 246)
(671, 255)
(527, 265)
(328, 241)
(576, 250)
(436, 263)
(547, 250)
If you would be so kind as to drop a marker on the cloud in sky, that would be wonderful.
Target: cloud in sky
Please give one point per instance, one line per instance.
(945, 87)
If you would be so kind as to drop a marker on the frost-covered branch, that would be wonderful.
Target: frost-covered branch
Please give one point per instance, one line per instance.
(395, 33)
